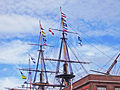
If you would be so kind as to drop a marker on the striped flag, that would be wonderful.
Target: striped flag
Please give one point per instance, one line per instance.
(64, 24)
(42, 32)
(51, 31)
(63, 19)
(44, 40)
(65, 30)
(23, 77)
(63, 15)
(80, 40)
(43, 35)
(41, 27)
(33, 59)
(44, 44)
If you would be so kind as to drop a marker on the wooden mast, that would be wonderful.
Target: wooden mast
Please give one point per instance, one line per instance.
(64, 40)
(41, 74)
(66, 76)
(40, 57)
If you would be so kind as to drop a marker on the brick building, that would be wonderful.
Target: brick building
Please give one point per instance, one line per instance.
(96, 82)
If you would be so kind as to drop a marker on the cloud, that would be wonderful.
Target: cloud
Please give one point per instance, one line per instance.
(100, 33)
(9, 82)
(22, 16)
(19, 20)
(94, 9)
(23, 25)
(28, 7)
(14, 52)
(95, 53)
(17, 23)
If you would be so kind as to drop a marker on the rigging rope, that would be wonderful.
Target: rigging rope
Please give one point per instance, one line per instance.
(78, 59)
(95, 46)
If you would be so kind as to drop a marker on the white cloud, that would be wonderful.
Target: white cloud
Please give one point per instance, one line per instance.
(17, 23)
(94, 9)
(14, 52)
(95, 53)
(23, 25)
(20, 18)
(107, 32)
(9, 82)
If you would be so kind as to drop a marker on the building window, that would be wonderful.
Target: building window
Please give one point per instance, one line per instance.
(117, 88)
(101, 88)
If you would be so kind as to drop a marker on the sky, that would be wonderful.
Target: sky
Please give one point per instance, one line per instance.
(95, 21)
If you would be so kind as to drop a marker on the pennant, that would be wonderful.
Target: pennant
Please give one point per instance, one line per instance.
(42, 32)
(43, 35)
(80, 40)
(80, 43)
(63, 15)
(23, 77)
(33, 59)
(34, 62)
(63, 19)
(51, 32)
(64, 24)
(65, 30)
(41, 27)
(44, 40)
(44, 44)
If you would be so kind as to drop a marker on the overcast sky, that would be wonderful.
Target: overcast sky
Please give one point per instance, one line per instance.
(96, 22)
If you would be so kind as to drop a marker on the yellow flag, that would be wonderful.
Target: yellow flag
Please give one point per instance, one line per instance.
(43, 35)
(42, 32)
(23, 77)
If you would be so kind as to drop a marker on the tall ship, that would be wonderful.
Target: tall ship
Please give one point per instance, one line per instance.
(61, 74)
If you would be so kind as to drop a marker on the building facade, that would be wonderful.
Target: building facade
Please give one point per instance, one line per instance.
(96, 82)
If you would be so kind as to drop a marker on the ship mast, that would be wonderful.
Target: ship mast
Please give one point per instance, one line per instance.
(29, 74)
(66, 76)
(42, 63)
(42, 84)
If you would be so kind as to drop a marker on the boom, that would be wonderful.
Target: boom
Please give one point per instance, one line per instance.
(115, 61)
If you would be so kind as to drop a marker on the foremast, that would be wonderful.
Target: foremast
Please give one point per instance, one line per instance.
(42, 63)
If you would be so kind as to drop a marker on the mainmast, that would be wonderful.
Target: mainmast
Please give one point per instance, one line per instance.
(66, 76)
